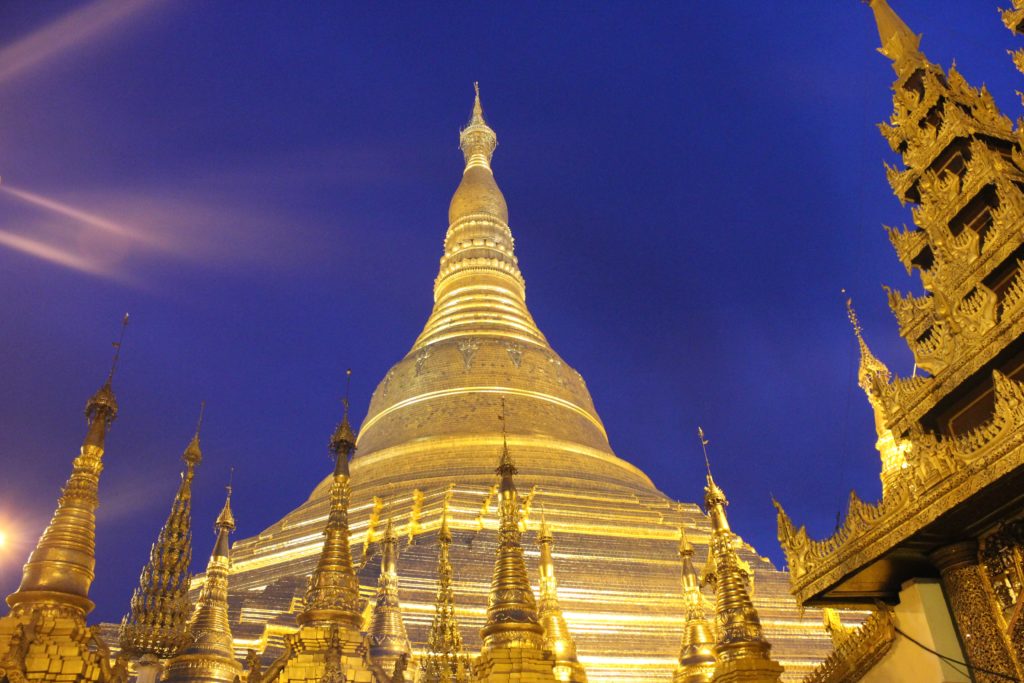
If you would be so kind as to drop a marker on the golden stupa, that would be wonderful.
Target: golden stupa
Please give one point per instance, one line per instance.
(433, 431)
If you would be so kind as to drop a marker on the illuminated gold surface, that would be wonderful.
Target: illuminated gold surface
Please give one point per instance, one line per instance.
(952, 467)
(741, 649)
(44, 639)
(512, 638)
(388, 638)
(697, 650)
(332, 597)
(557, 638)
(445, 659)
(431, 422)
(157, 624)
(208, 657)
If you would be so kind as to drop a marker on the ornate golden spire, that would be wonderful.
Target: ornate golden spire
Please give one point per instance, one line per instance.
(512, 620)
(61, 568)
(557, 638)
(899, 43)
(741, 643)
(445, 660)
(389, 640)
(697, 652)
(479, 289)
(872, 375)
(333, 594)
(209, 656)
(157, 624)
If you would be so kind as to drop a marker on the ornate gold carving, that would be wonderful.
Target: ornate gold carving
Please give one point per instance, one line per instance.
(387, 636)
(742, 651)
(209, 654)
(858, 650)
(1002, 558)
(697, 649)
(157, 624)
(445, 660)
(332, 597)
(987, 646)
(557, 638)
(940, 473)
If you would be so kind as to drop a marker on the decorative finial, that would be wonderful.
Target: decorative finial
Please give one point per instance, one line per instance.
(704, 447)
(869, 364)
(193, 455)
(103, 403)
(226, 520)
(343, 441)
(506, 467)
(348, 388)
(477, 140)
(685, 547)
(545, 533)
(898, 42)
(117, 349)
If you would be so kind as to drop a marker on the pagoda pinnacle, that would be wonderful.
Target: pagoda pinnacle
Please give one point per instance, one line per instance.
(479, 289)
(156, 626)
(512, 620)
(899, 43)
(444, 660)
(60, 570)
(389, 640)
(209, 656)
(872, 374)
(557, 638)
(741, 645)
(697, 651)
(332, 598)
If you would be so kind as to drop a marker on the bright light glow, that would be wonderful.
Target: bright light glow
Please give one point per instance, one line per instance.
(3, 539)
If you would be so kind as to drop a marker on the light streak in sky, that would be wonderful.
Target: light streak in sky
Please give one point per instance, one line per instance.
(91, 22)
(50, 253)
(78, 215)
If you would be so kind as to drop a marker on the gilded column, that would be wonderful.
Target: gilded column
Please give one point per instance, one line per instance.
(45, 639)
(985, 643)
(333, 593)
(445, 660)
(209, 656)
(743, 652)
(697, 651)
(557, 638)
(513, 638)
(60, 569)
(156, 626)
(389, 640)
(329, 646)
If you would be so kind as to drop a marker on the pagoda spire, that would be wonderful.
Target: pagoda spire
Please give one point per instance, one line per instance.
(899, 43)
(445, 660)
(479, 289)
(512, 620)
(209, 656)
(697, 652)
(872, 375)
(743, 652)
(61, 568)
(389, 640)
(333, 593)
(557, 638)
(156, 626)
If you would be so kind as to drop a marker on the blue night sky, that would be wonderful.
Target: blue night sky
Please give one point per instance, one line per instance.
(265, 186)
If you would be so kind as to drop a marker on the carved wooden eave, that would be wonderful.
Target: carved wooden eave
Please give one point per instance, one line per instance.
(1013, 18)
(908, 399)
(951, 489)
(861, 650)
